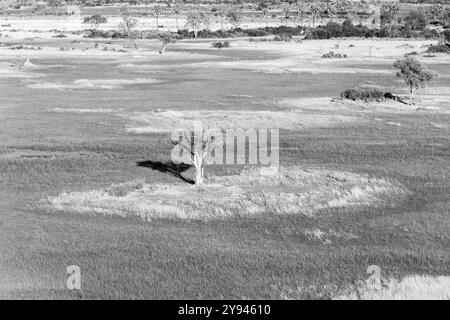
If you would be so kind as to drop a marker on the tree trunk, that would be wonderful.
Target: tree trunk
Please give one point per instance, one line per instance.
(157, 23)
(163, 50)
(198, 170)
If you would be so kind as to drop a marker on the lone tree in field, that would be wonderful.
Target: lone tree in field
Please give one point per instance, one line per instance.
(195, 146)
(414, 73)
(196, 20)
(128, 25)
(95, 21)
(165, 40)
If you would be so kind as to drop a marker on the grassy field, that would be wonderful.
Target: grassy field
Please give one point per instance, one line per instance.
(46, 148)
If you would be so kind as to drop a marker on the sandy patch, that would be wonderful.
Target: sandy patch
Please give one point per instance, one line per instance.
(9, 70)
(94, 110)
(291, 191)
(168, 121)
(423, 104)
(275, 66)
(409, 288)
(28, 154)
(106, 84)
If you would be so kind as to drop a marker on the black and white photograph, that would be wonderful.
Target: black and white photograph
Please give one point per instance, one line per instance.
(247, 151)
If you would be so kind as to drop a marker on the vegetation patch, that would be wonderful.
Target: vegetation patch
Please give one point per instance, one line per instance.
(363, 94)
(252, 193)
(220, 44)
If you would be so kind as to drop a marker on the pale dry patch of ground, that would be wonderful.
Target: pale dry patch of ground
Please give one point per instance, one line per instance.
(81, 111)
(292, 190)
(106, 84)
(28, 154)
(10, 70)
(415, 287)
(167, 121)
(280, 66)
(306, 56)
(423, 103)
(328, 236)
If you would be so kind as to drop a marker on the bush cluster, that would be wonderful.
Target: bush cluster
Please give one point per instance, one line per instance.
(332, 55)
(439, 48)
(363, 94)
(348, 29)
(220, 44)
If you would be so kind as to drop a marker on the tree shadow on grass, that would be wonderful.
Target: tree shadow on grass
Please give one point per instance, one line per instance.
(167, 167)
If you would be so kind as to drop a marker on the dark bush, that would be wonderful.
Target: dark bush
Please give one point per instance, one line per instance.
(334, 30)
(363, 94)
(221, 44)
(332, 55)
(446, 35)
(416, 20)
(439, 48)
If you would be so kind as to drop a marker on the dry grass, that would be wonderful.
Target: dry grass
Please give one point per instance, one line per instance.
(167, 121)
(291, 191)
(409, 288)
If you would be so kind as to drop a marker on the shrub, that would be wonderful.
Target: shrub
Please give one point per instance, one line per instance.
(363, 94)
(221, 44)
(122, 189)
(331, 55)
(446, 35)
(334, 30)
(416, 20)
(439, 48)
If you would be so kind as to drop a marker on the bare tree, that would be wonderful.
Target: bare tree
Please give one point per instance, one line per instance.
(222, 13)
(302, 9)
(286, 16)
(176, 10)
(196, 20)
(196, 146)
(332, 9)
(95, 21)
(316, 8)
(128, 25)
(265, 13)
(235, 17)
(158, 10)
(390, 12)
